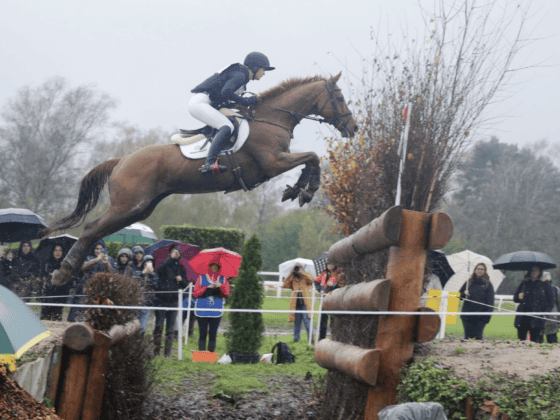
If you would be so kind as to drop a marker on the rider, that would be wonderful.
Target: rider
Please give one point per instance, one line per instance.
(223, 90)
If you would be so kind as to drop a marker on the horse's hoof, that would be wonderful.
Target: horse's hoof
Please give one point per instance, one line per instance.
(290, 193)
(305, 197)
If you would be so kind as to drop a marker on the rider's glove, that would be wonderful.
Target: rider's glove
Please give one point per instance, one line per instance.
(250, 101)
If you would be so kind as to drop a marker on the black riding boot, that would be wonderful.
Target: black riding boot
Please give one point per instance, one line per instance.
(201, 345)
(211, 345)
(168, 344)
(157, 344)
(220, 142)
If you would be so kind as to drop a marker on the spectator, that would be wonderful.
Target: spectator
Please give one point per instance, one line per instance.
(477, 290)
(210, 290)
(532, 295)
(4, 275)
(551, 326)
(149, 280)
(124, 259)
(171, 277)
(9, 263)
(96, 262)
(25, 271)
(53, 313)
(301, 284)
(326, 283)
(137, 260)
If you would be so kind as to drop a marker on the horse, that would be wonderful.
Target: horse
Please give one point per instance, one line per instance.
(139, 181)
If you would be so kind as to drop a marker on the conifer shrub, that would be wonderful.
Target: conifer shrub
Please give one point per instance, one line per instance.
(245, 333)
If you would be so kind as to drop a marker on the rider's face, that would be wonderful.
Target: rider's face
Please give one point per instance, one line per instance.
(259, 74)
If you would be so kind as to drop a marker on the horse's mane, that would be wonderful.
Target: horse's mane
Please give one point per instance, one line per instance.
(287, 85)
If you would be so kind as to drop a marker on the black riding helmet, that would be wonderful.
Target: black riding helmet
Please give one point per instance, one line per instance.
(257, 60)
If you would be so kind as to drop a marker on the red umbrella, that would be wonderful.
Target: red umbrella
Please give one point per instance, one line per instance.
(187, 252)
(228, 260)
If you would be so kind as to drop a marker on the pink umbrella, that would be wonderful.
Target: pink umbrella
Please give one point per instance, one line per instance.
(228, 260)
(187, 252)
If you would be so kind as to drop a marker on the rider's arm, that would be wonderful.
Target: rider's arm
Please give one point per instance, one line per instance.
(237, 80)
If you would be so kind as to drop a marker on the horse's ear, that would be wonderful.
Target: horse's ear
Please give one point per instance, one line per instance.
(335, 78)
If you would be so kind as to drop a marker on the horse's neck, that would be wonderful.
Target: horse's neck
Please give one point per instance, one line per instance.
(301, 100)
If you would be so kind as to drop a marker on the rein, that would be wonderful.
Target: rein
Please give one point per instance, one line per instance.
(334, 121)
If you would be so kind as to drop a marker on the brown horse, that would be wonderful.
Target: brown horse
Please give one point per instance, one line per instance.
(139, 181)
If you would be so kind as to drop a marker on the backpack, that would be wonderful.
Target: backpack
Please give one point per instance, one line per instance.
(284, 355)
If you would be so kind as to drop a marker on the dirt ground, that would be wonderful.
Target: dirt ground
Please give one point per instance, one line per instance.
(524, 359)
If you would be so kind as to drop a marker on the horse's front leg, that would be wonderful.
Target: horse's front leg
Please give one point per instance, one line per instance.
(283, 162)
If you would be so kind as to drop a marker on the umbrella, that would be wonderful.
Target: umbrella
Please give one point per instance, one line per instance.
(160, 252)
(320, 262)
(133, 234)
(285, 268)
(228, 260)
(523, 261)
(463, 263)
(18, 225)
(440, 266)
(45, 248)
(20, 327)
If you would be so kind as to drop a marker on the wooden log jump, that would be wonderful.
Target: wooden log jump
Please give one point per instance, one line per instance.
(80, 394)
(409, 235)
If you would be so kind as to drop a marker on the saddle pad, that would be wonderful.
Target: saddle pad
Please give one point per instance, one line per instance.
(194, 149)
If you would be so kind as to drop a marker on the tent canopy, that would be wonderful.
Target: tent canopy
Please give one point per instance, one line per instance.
(285, 268)
(463, 263)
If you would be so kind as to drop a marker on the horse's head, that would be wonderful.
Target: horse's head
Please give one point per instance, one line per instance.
(333, 108)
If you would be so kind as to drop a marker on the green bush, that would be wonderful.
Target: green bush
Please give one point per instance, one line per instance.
(205, 238)
(245, 333)
(425, 382)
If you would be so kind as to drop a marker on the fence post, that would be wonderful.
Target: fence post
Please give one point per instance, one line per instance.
(74, 387)
(319, 319)
(279, 291)
(312, 317)
(188, 313)
(95, 385)
(443, 308)
(180, 324)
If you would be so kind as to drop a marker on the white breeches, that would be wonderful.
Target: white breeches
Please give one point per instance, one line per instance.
(200, 108)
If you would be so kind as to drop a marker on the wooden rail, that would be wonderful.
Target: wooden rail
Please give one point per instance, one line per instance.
(409, 235)
(79, 380)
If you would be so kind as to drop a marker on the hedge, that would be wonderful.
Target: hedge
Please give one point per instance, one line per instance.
(213, 237)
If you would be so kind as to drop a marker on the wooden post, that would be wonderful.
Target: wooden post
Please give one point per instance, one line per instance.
(361, 364)
(371, 296)
(95, 386)
(74, 387)
(78, 336)
(419, 232)
(53, 378)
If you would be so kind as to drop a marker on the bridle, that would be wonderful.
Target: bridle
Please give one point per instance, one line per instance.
(335, 121)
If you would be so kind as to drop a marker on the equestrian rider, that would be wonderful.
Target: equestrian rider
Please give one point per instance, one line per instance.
(224, 90)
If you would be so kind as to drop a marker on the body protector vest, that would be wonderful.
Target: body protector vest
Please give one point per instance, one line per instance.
(210, 299)
(225, 87)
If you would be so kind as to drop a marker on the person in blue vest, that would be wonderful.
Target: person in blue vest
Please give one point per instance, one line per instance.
(223, 90)
(210, 290)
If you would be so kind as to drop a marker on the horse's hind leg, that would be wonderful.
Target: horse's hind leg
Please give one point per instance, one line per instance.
(114, 219)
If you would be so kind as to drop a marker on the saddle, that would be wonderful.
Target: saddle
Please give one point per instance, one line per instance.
(187, 137)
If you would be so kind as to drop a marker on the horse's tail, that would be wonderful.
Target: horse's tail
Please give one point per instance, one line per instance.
(90, 189)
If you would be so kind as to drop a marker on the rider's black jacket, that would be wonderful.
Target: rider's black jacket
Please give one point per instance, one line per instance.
(221, 87)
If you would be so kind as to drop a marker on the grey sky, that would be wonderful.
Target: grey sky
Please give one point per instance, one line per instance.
(150, 54)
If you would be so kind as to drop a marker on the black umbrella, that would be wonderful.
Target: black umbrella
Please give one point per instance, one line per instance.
(320, 262)
(440, 266)
(45, 248)
(523, 261)
(18, 225)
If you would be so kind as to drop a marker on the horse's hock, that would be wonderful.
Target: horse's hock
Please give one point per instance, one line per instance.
(408, 235)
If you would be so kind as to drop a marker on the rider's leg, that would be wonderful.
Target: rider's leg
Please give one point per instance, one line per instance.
(200, 108)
